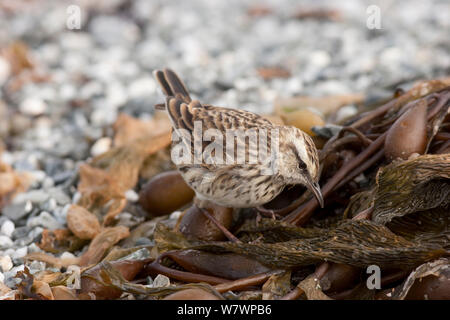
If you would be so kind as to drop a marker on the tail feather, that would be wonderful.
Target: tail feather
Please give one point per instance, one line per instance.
(172, 85)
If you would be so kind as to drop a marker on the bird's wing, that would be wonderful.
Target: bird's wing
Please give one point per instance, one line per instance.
(191, 120)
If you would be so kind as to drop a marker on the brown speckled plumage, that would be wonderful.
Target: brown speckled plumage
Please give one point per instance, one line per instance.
(237, 185)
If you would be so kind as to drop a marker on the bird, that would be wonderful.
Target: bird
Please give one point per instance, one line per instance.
(227, 183)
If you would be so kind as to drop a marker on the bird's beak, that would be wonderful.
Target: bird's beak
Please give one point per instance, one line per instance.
(315, 189)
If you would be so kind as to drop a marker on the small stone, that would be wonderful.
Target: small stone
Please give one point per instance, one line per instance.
(5, 242)
(48, 183)
(76, 197)
(59, 196)
(46, 220)
(143, 242)
(101, 146)
(10, 279)
(33, 106)
(175, 215)
(319, 58)
(20, 253)
(7, 228)
(35, 196)
(161, 281)
(142, 87)
(34, 248)
(2, 277)
(5, 70)
(36, 266)
(346, 112)
(140, 254)
(131, 195)
(5, 263)
(17, 211)
(67, 255)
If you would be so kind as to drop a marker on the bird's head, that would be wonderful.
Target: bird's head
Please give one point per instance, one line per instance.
(299, 161)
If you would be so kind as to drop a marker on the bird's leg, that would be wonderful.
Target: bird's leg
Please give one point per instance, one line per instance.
(224, 230)
(260, 211)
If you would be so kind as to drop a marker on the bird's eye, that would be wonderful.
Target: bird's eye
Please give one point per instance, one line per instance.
(302, 165)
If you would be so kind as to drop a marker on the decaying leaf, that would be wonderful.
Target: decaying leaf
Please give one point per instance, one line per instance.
(355, 242)
(82, 223)
(60, 240)
(268, 73)
(18, 56)
(43, 290)
(108, 276)
(63, 293)
(157, 163)
(51, 260)
(127, 129)
(111, 174)
(11, 183)
(277, 286)
(25, 285)
(192, 294)
(128, 269)
(4, 289)
(437, 271)
(409, 186)
(312, 289)
(102, 243)
(325, 104)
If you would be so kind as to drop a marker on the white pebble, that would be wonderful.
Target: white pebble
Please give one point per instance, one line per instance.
(175, 215)
(7, 228)
(67, 255)
(5, 263)
(2, 277)
(34, 248)
(5, 242)
(319, 58)
(101, 146)
(45, 220)
(5, 70)
(33, 106)
(48, 183)
(20, 253)
(346, 112)
(76, 197)
(161, 281)
(131, 195)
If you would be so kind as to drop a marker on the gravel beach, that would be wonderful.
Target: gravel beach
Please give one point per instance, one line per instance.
(240, 54)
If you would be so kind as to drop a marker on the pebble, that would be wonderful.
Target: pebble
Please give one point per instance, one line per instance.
(59, 196)
(33, 106)
(2, 277)
(346, 112)
(101, 146)
(131, 195)
(33, 247)
(5, 263)
(7, 228)
(105, 69)
(5, 70)
(29, 237)
(34, 196)
(5, 242)
(161, 281)
(67, 255)
(19, 253)
(10, 279)
(45, 220)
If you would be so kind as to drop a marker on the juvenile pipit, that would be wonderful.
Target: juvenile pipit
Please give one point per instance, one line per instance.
(236, 184)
